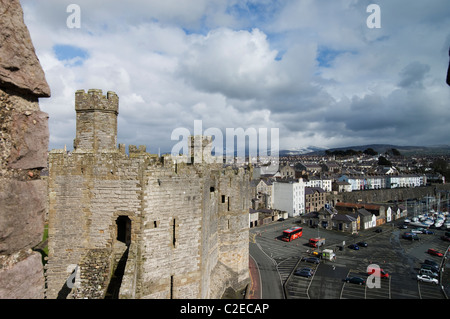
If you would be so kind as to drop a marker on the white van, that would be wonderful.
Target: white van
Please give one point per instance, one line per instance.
(428, 272)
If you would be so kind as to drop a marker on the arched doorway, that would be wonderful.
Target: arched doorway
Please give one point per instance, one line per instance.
(123, 224)
(120, 256)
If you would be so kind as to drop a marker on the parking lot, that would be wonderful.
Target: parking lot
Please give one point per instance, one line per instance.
(400, 258)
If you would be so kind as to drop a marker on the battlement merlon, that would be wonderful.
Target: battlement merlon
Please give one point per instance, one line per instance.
(94, 100)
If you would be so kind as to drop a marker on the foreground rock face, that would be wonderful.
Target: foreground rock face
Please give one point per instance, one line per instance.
(21, 275)
(19, 65)
(23, 153)
(22, 207)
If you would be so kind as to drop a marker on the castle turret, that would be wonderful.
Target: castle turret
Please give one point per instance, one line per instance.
(96, 120)
(200, 148)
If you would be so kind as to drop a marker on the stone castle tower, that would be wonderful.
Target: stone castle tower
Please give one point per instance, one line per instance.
(138, 225)
(96, 120)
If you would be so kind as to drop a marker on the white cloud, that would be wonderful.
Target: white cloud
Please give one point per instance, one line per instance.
(238, 64)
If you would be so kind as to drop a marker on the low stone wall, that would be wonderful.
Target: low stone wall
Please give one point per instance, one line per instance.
(129, 280)
(95, 273)
(385, 195)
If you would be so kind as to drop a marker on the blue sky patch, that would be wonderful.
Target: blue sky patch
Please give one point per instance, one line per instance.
(326, 56)
(257, 13)
(66, 53)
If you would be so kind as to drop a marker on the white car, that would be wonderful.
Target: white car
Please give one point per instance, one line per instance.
(426, 278)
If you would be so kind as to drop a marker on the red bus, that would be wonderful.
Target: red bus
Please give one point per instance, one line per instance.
(292, 233)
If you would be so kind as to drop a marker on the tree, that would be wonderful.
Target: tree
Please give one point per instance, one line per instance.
(383, 161)
(370, 151)
(440, 166)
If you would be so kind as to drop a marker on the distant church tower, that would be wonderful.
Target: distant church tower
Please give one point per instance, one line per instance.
(96, 120)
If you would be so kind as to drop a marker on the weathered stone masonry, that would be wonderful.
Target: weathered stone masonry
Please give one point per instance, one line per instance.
(23, 153)
(184, 226)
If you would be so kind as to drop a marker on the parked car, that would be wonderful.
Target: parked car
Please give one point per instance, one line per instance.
(313, 260)
(362, 244)
(430, 267)
(304, 272)
(434, 252)
(410, 236)
(445, 238)
(428, 272)
(378, 230)
(355, 280)
(381, 273)
(431, 262)
(403, 226)
(426, 278)
(353, 246)
(428, 232)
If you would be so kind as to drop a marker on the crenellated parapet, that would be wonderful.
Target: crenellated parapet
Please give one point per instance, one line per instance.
(94, 100)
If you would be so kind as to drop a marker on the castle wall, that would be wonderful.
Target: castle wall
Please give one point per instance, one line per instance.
(385, 195)
(87, 193)
(171, 249)
(189, 222)
(233, 224)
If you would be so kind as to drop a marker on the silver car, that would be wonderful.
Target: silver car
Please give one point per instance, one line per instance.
(426, 278)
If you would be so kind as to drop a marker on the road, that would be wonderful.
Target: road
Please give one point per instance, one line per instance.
(271, 287)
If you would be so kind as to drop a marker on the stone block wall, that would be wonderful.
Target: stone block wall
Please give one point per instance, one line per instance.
(234, 222)
(385, 195)
(171, 236)
(87, 193)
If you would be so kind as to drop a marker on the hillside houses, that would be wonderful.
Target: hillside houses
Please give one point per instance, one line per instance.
(302, 184)
(363, 182)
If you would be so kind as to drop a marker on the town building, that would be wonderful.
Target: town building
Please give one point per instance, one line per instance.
(329, 218)
(264, 190)
(289, 196)
(341, 187)
(315, 199)
(319, 181)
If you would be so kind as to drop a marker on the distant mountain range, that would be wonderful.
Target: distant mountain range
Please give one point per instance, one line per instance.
(303, 150)
(380, 148)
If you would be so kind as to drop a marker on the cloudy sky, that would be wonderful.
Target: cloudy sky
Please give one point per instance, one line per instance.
(312, 69)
